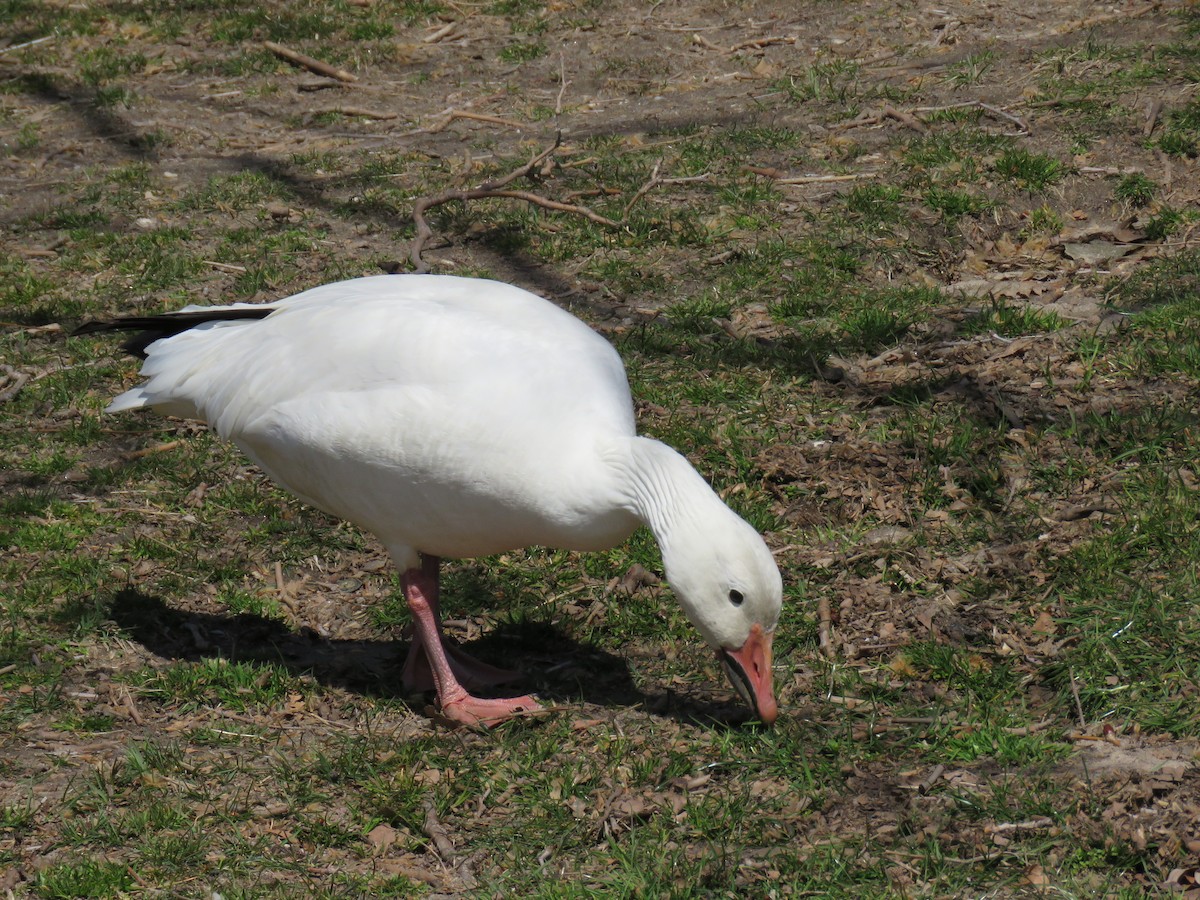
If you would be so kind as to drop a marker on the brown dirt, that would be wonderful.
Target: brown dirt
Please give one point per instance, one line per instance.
(644, 68)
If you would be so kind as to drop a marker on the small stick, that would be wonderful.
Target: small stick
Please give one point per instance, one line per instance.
(307, 62)
(863, 119)
(538, 200)
(1151, 117)
(224, 267)
(1030, 825)
(131, 707)
(645, 188)
(32, 43)
(438, 833)
(463, 114)
(759, 43)
(1110, 170)
(16, 380)
(824, 627)
(930, 780)
(905, 118)
(443, 32)
(821, 179)
(986, 107)
(562, 79)
(778, 176)
(1024, 730)
(655, 181)
(150, 451)
(1078, 702)
(359, 111)
(490, 189)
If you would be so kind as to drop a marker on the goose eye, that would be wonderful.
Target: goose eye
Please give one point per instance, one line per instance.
(736, 598)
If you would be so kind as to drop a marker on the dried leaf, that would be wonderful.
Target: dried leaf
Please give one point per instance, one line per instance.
(381, 837)
(1037, 876)
(1044, 624)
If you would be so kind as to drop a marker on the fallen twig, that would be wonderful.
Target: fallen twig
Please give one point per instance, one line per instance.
(1110, 170)
(824, 627)
(905, 118)
(440, 835)
(441, 34)
(1106, 18)
(930, 780)
(995, 111)
(307, 87)
(224, 267)
(463, 114)
(1078, 702)
(655, 181)
(1035, 824)
(491, 189)
(591, 192)
(562, 84)
(759, 43)
(821, 179)
(13, 380)
(150, 451)
(778, 176)
(1025, 730)
(307, 62)
(866, 118)
(1152, 112)
(32, 43)
(358, 111)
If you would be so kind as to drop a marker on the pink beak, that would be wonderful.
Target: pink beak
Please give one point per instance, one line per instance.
(749, 669)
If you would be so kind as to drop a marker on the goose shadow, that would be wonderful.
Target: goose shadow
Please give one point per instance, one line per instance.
(559, 668)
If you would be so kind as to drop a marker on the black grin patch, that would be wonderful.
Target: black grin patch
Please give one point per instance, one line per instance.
(738, 678)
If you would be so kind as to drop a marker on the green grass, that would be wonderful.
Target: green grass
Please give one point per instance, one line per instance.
(1033, 172)
(835, 81)
(1136, 189)
(953, 204)
(996, 497)
(87, 878)
(971, 70)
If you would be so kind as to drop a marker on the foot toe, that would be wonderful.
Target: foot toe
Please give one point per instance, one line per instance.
(486, 712)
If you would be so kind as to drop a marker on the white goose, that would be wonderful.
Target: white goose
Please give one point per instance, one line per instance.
(460, 417)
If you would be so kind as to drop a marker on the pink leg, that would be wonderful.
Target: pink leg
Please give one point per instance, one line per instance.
(471, 672)
(421, 591)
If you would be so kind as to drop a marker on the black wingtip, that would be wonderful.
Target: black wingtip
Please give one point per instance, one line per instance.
(152, 328)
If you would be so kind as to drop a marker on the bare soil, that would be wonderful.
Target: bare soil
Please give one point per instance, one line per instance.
(638, 72)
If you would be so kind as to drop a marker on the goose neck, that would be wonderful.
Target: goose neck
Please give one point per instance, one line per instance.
(667, 492)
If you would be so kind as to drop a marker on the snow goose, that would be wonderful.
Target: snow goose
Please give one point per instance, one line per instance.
(459, 417)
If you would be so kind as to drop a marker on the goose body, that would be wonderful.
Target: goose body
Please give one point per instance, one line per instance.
(458, 417)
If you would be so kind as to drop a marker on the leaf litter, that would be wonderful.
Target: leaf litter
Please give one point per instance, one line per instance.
(899, 546)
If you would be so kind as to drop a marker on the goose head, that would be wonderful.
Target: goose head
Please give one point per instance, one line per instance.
(731, 591)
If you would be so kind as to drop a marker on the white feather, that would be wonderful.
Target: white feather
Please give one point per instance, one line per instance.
(460, 417)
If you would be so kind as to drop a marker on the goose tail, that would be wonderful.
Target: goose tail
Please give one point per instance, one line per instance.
(148, 329)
